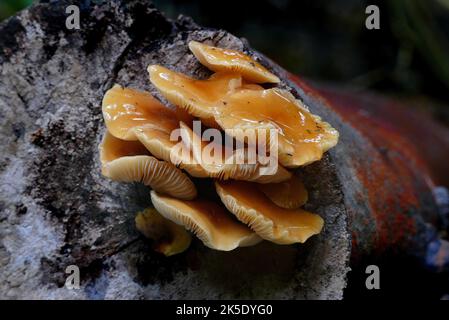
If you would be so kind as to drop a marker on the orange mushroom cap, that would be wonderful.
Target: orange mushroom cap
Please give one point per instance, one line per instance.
(136, 115)
(302, 136)
(198, 97)
(219, 59)
(125, 109)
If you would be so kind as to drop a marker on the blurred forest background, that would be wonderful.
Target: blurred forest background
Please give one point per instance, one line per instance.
(327, 40)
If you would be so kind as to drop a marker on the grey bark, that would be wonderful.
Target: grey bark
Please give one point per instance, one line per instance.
(56, 208)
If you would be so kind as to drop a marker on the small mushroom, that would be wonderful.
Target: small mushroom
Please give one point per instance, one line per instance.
(169, 238)
(270, 222)
(302, 136)
(219, 166)
(289, 194)
(219, 59)
(209, 221)
(125, 109)
(126, 161)
(198, 97)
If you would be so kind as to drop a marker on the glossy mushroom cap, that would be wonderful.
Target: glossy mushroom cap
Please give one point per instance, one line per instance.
(159, 175)
(219, 59)
(125, 109)
(209, 221)
(302, 136)
(169, 238)
(136, 115)
(270, 222)
(198, 97)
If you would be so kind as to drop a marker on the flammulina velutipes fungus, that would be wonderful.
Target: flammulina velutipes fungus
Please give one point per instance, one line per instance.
(249, 205)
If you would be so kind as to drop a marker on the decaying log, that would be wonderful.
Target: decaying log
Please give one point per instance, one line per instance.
(56, 208)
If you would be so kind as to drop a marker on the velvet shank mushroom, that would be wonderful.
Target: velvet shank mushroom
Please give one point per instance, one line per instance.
(302, 136)
(209, 221)
(270, 222)
(125, 109)
(218, 59)
(127, 162)
(256, 205)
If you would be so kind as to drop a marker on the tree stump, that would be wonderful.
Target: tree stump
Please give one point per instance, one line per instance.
(56, 208)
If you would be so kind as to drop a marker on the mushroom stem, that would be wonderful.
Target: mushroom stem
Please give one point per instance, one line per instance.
(169, 238)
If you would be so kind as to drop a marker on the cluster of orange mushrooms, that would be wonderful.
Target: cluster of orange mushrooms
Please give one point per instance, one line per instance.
(240, 94)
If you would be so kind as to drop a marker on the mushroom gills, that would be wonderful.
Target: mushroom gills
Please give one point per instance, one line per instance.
(220, 59)
(130, 161)
(159, 175)
(209, 221)
(125, 109)
(270, 222)
(169, 238)
(302, 136)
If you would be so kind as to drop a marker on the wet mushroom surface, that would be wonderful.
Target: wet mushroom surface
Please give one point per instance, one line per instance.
(219, 59)
(242, 204)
